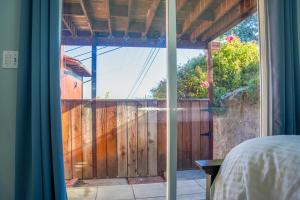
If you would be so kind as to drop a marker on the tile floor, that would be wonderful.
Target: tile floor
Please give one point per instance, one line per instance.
(190, 186)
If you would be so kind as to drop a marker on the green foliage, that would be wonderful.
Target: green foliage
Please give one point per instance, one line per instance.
(190, 76)
(159, 92)
(235, 66)
(247, 30)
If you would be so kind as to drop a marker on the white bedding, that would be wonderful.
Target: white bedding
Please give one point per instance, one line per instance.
(265, 168)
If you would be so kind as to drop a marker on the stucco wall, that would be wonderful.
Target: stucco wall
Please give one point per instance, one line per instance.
(9, 40)
(238, 122)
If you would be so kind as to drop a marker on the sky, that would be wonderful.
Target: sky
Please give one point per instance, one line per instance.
(118, 70)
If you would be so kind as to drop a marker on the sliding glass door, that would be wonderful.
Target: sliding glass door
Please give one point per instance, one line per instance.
(115, 132)
(151, 86)
(218, 85)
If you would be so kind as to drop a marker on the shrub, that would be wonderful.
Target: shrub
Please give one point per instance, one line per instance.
(235, 65)
(191, 82)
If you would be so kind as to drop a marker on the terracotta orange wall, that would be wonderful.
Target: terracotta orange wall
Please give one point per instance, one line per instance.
(68, 81)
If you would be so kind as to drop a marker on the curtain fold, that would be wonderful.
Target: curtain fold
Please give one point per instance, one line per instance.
(283, 57)
(39, 153)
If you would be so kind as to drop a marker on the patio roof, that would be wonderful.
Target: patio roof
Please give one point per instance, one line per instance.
(141, 23)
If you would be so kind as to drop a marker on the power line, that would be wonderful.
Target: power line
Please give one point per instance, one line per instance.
(87, 81)
(145, 73)
(145, 64)
(109, 51)
(142, 76)
(102, 53)
(88, 52)
(136, 57)
(150, 54)
(74, 49)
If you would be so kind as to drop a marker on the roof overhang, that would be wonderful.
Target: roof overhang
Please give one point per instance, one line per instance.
(76, 66)
(141, 23)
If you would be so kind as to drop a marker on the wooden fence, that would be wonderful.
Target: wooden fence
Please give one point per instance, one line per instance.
(130, 137)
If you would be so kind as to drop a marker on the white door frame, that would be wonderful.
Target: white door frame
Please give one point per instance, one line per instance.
(171, 98)
(265, 76)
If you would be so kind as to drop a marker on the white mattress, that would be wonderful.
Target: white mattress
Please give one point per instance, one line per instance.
(265, 168)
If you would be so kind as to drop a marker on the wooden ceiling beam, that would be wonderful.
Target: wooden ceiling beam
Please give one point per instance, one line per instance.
(180, 4)
(231, 19)
(224, 7)
(72, 9)
(150, 16)
(70, 25)
(129, 16)
(107, 3)
(83, 4)
(132, 18)
(200, 8)
(130, 42)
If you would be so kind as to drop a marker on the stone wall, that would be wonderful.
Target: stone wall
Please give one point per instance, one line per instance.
(238, 122)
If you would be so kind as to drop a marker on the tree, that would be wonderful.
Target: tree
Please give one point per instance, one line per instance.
(191, 80)
(235, 65)
(247, 30)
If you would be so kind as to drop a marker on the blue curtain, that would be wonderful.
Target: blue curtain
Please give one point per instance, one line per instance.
(283, 47)
(39, 153)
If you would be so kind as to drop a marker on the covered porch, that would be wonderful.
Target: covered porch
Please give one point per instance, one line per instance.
(191, 185)
(120, 139)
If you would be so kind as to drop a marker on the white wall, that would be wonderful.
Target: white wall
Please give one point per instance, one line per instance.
(9, 39)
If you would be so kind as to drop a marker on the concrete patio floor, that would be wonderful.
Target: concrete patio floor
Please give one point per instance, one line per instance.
(190, 186)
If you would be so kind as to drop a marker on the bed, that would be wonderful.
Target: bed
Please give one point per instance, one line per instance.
(266, 168)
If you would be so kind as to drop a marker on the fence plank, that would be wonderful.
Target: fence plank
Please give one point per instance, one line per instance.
(122, 138)
(186, 137)
(111, 137)
(132, 139)
(67, 142)
(76, 139)
(161, 137)
(87, 140)
(152, 138)
(204, 126)
(101, 139)
(179, 135)
(195, 131)
(142, 138)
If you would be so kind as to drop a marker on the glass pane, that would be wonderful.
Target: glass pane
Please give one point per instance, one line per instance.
(114, 128)
(218, 85)
(113, 78)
